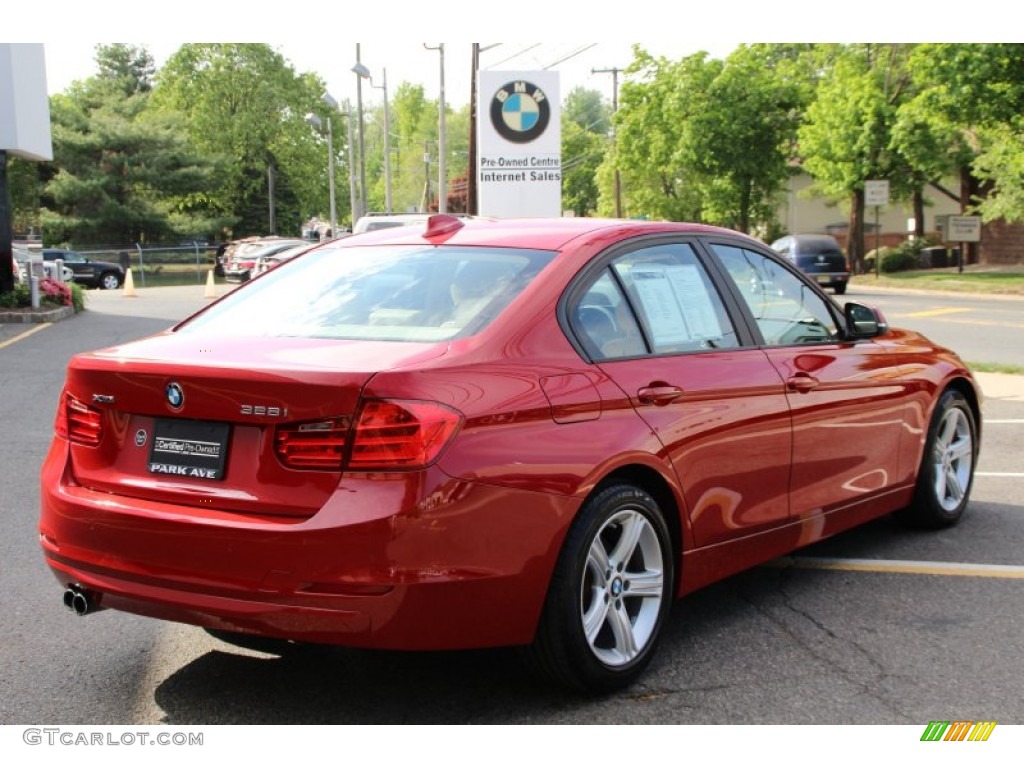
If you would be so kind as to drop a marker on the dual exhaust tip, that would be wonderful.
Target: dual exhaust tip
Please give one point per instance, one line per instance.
(81, 601)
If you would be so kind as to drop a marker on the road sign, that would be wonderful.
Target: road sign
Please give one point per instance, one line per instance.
(964, 229)
(876, 192)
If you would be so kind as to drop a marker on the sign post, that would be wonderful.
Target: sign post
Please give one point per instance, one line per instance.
(876, 193)
(963, 230)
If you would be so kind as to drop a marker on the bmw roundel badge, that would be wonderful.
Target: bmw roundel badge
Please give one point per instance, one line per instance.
(520, 111)
(175, 395)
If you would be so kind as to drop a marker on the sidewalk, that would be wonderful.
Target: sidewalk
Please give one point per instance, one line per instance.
(1001, 386)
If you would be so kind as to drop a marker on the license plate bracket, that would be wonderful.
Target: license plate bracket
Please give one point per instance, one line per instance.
(189, 449)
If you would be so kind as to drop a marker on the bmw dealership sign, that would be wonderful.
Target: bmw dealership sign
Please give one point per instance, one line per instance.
(519, 141)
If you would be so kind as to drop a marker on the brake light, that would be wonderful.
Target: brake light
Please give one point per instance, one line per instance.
(401, 434)
(78, 422)
(312, 444)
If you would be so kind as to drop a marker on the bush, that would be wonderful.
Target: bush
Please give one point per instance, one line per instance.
(900, 260)
(51, 293)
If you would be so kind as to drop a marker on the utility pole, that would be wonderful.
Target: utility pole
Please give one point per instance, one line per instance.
(615, 108)
(442, 150)
(471, 191)
(362, 146)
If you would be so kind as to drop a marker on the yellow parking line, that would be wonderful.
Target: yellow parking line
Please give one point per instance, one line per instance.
(935, 312)
(24, 335)
(901, 566)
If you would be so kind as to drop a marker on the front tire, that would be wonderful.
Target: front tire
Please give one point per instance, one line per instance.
(609, 595)
(947, 468)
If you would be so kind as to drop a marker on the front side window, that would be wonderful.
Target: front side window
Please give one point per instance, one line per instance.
(786, 310)
(386, 293)
(657, 299)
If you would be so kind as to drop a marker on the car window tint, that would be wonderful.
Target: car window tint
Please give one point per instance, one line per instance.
(385, 293)
(786, 310)
(678, 306)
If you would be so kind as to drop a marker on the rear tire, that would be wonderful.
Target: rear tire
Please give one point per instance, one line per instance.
(947, 467)
(840, 289)
(609, 595)
(110, 281)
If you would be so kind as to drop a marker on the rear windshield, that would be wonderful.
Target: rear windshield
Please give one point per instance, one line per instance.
(387, 293)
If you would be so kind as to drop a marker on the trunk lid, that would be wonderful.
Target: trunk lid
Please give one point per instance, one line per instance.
(193, 421)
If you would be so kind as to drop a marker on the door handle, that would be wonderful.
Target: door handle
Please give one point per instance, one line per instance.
(802, 382)
(659, 394)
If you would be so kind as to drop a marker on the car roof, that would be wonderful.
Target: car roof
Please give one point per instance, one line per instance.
(539, 233)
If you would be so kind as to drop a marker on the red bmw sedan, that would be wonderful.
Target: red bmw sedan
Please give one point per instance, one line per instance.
(479, 433)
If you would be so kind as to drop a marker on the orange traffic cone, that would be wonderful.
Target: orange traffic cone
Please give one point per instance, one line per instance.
(211, 288)
(129, 284)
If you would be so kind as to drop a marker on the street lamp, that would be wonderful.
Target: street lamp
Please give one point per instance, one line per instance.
(362, 71)
(362, 154)
(442, 170)
(316, 122)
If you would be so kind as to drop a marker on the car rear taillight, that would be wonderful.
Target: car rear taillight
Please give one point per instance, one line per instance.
(313, 444)
(388, 434)
(78, 422)
(401, 434)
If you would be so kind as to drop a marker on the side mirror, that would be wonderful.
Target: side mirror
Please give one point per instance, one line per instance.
(864, 322)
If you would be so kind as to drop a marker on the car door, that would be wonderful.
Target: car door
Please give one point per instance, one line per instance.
(651, 318)
(847, 398)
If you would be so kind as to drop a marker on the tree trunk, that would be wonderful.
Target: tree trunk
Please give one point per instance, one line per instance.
(855, 243)
(919, 214)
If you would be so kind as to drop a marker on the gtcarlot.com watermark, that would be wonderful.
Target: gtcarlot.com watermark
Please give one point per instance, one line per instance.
(74, 737)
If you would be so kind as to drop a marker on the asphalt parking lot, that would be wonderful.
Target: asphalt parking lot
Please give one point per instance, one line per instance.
(881, 625)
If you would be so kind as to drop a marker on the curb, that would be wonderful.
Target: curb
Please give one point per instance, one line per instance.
(36, 315)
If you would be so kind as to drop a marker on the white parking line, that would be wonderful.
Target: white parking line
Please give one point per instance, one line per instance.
(930, 568)
(1004, 421)
(999, 474)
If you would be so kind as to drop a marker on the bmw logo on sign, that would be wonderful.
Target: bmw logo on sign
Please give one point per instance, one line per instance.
(175, 395)
(520, 111)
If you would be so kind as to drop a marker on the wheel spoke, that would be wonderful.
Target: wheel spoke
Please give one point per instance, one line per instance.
(647, 584)
(622, 629)
(960, 449)
(954, 492)
(948, 431)
(632, 528)
(597, 561)
(594, 619)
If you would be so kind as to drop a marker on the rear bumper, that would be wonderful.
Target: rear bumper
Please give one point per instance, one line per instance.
(406, 561)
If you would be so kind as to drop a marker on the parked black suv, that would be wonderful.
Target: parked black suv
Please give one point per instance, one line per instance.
(820, 256)
(97, 274)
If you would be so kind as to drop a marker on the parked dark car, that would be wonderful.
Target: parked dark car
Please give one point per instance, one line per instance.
(89, 272)
(481, 433)
(820, 256)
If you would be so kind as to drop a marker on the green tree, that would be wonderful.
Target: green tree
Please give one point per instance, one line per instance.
(586, 123)
(740, 137)
(969, 101)
(245, 106)
(120, 168)
(846, 137)
(650, 138)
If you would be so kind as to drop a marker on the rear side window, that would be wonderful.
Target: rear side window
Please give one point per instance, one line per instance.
(657, 300)
(387, 293)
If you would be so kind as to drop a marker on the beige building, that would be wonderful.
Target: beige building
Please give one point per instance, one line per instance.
(803, 212)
